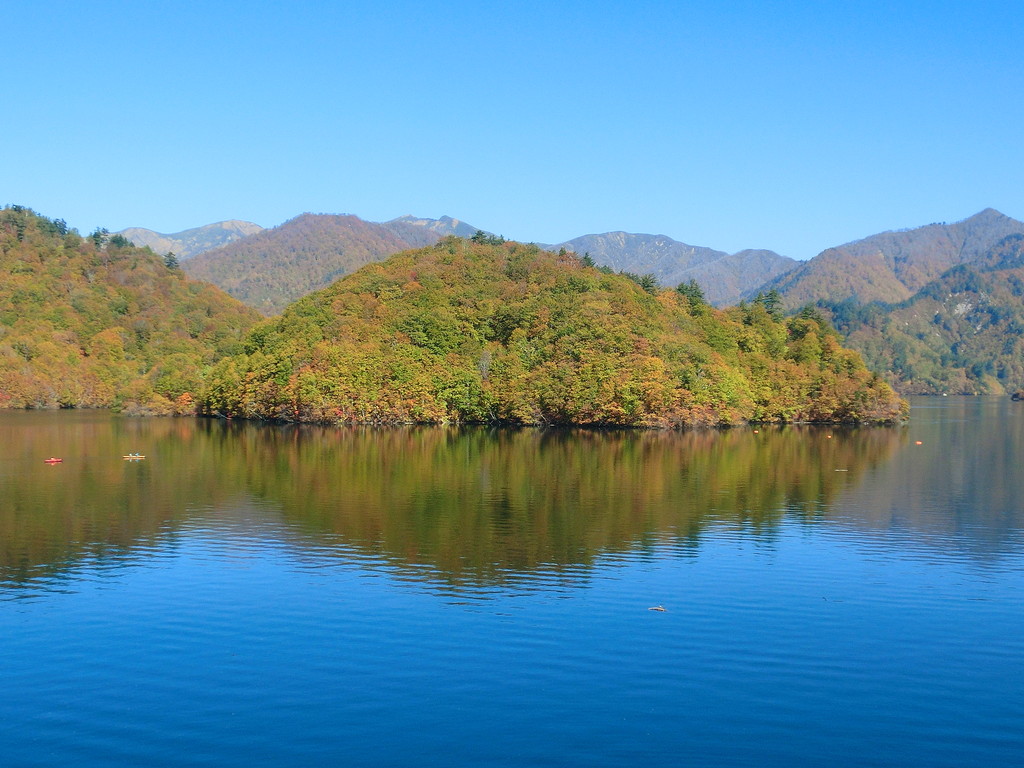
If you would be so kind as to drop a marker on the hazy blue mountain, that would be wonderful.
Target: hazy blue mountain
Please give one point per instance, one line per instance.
(725, 278)
(429, 230)
(191, 242)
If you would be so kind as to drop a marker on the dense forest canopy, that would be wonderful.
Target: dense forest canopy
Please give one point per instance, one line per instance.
(96, 322)
(499, 332)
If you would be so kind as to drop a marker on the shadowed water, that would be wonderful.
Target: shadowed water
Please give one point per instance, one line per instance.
(259, 595)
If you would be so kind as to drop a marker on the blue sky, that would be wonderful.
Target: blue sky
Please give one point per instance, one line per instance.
(785, 125)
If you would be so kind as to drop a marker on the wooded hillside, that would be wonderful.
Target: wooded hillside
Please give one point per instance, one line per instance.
(961, 334)
(507, 333)
(96, 322)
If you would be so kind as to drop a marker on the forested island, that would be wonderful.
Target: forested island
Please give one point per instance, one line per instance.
(464, 331)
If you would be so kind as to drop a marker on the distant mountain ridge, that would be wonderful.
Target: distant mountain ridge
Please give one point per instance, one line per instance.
(406, 226)
(725, 278)
(273, 268)
(884, 292)
(892, 266)
(191, 242)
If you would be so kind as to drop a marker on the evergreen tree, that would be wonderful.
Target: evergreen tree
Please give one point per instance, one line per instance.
(693, 293)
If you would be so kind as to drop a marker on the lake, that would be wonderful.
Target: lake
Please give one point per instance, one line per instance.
(258, 595)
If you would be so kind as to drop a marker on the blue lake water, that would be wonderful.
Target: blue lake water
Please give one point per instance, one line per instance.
(255, 595)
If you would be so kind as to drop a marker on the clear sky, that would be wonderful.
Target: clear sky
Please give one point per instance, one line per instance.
(785, 125)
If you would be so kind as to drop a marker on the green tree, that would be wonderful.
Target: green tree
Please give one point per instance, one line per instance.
(99, 236)
(771, 301)
(694, 294)
(482, 238)
(647, 281)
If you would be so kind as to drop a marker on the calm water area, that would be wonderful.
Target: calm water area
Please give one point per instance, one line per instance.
(261, 595)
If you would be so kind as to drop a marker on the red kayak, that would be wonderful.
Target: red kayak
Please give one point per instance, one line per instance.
(53, 460)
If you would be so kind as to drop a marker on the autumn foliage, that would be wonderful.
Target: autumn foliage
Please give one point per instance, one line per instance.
(507, 333)
(96, 322)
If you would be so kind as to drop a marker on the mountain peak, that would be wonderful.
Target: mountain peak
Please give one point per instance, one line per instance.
(987, 215)
(190, 242)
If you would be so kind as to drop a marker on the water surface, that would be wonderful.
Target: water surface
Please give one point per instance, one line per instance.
(253, 595)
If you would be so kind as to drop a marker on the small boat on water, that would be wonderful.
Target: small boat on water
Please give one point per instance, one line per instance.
(133, 457)
(53, 460)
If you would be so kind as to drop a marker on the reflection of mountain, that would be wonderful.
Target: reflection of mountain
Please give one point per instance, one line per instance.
(479, 507)
(472, 506)
(487, 506)
(94, 504)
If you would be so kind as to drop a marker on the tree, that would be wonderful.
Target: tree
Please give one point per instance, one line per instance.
(771, 301)
(811, 312)
(171, 260)
(693, 293)
(99, 236)
(648, 281)
(483, 238)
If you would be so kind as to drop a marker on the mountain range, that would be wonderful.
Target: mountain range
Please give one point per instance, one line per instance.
(866, 287)
(273, 267)
(465, 330)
